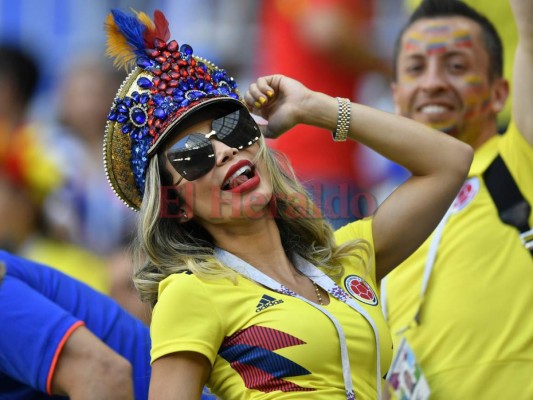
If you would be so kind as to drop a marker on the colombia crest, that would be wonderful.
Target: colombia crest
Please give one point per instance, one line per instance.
(358, 288)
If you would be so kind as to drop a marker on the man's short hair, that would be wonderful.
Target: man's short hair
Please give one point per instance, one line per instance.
(454, 8)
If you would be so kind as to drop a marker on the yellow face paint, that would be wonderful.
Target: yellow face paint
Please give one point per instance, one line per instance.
(462, 38)
(413, 41)
(473, 81)
(436, 39)
(477, 96)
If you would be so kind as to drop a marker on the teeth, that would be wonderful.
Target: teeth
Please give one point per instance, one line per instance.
(433, 109)
(237, 173)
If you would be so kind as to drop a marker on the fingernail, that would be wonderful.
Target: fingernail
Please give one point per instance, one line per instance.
(262, 100)
(257, 104)
(270, 93)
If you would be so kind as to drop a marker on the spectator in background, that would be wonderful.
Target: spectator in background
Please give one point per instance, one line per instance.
(21, 154)
(28, 175)
(84, 209)
(325, 45)
(66, 339)
(60, 337)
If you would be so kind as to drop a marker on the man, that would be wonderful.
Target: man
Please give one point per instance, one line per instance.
(501, 16)
(60, 337)
(463, 301)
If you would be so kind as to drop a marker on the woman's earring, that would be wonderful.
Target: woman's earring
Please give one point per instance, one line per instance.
(183, 215)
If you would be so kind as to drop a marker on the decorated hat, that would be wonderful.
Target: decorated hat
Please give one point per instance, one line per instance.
(166, 83)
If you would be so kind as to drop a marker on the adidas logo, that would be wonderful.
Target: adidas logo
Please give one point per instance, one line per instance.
(267, 301)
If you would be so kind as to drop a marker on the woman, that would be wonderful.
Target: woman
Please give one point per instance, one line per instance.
(254, 295)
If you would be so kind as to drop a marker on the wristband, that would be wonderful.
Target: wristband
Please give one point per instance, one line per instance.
(343, 120)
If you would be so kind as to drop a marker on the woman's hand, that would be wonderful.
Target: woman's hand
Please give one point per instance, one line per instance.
(279, 100)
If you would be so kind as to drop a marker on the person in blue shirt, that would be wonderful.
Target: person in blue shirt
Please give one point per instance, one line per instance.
(59, 337)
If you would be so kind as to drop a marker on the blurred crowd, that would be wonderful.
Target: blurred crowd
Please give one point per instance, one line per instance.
(56, 206)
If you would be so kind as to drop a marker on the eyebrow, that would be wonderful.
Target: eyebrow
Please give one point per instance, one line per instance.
(448, 54)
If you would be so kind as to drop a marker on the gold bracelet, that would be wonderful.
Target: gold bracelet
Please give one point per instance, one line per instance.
(343, 120)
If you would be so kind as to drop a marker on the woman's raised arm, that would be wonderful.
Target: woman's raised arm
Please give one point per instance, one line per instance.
(438, 163)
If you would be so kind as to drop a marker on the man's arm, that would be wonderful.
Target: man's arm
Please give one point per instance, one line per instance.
(49, 350)
(42, 308)
(88, 369)
(522, 90)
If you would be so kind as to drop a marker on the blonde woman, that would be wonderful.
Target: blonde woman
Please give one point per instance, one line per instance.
(253, 293)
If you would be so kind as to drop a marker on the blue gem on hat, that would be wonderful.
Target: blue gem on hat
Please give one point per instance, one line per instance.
(167, 106)
(145, 62)
(192, 90)
(131, 111)
(139, 116)
(194, 94)
(144, 83)
(186, 51)
(139, 160)
(160, 113)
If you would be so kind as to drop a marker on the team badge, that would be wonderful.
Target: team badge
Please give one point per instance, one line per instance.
(466, 194)
(361, 290)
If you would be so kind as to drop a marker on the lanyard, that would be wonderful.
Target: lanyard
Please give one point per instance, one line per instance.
(428, 269)
(431, 255)
(326, 283)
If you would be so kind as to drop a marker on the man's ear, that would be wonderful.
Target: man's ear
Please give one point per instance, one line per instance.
(500, 93)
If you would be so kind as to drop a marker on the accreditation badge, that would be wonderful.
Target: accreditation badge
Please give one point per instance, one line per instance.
(405, 378)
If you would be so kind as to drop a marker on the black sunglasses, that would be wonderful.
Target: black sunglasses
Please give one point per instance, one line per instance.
(193, 156)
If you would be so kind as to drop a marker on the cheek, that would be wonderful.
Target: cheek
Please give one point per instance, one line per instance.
(402, 95)
(195, 195)
(407, 82)
(476, 94)
(473, 85)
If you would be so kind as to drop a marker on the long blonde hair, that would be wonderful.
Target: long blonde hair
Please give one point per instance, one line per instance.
(165, 246)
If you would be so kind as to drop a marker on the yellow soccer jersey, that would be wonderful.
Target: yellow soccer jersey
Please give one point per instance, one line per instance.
(475, 336)
(266, 345)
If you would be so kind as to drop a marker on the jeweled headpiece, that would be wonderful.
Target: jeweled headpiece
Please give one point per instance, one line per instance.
(167, 82)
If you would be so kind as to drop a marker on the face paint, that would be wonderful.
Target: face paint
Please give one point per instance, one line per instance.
(473, 82)
(462, 39)
(473, 107)
(477, 97)
(413, 42)
(437, 39)
(442, 77)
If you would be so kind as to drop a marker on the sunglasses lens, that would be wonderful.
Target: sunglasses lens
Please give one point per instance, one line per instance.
(192, 156)
(238, 129)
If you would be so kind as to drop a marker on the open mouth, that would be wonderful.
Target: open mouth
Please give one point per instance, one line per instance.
(242, 175)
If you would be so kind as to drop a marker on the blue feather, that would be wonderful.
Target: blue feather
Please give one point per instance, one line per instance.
(132, 29)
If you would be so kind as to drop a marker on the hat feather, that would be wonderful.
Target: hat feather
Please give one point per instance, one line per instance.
(125, 41)
(159, 29)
